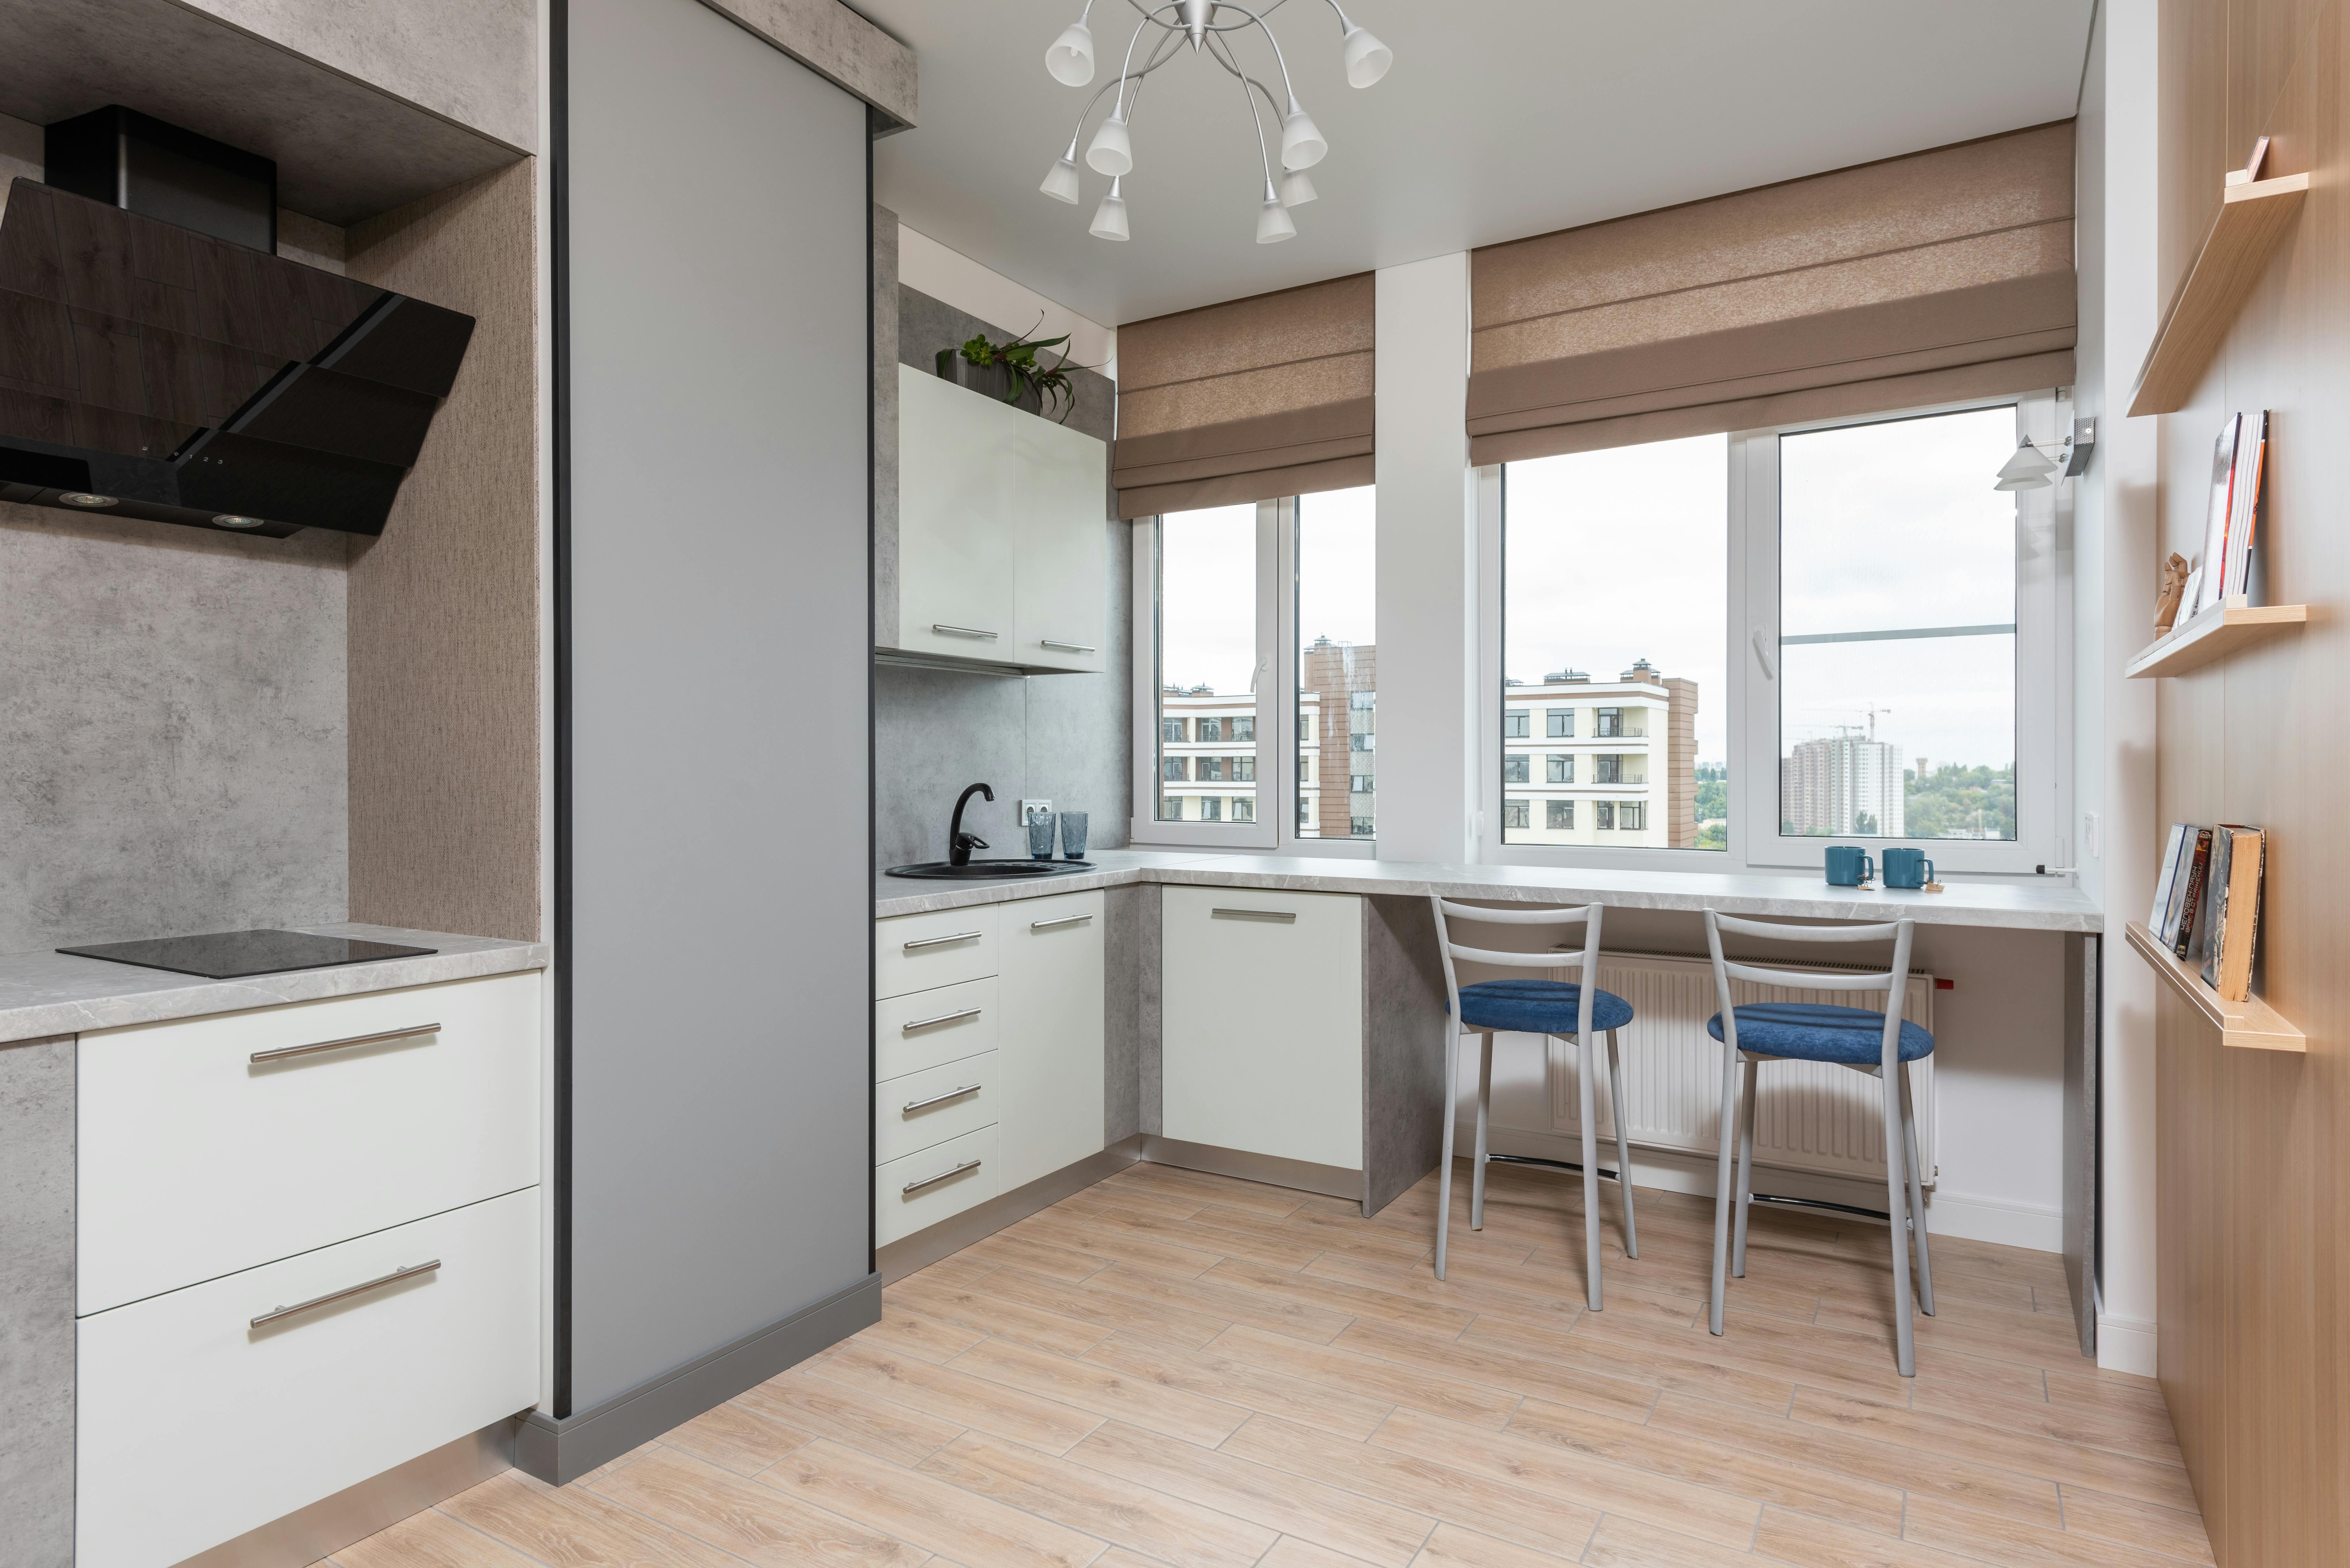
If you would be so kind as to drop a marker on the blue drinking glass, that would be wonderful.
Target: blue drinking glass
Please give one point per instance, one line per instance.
(1073, 836)
(1040, 835)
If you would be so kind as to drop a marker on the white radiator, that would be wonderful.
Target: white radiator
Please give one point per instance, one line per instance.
(1810, 1116)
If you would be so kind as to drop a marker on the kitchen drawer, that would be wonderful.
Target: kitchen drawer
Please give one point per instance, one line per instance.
(940, 1190)
(928, 1107)
(196, 1161)
(192, 1427)
(925, 1028)
(922, 952)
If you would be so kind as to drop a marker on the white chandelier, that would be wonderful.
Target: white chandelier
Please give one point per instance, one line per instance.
(1212, 24)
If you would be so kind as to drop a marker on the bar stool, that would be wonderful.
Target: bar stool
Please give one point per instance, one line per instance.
(1554, 1009)
(1877, 1043)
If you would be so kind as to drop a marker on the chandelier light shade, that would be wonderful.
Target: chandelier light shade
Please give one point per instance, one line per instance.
(1217, 29)
(1071, 57)
(1061, 181)
(1109, 218)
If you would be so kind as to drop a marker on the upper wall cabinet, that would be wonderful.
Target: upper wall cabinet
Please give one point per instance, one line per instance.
(1002, 548)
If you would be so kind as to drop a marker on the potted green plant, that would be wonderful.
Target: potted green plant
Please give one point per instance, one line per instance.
(1009, 372)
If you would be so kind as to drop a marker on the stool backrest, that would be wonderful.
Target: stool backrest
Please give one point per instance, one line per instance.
(1560, 918)
(1898, 932)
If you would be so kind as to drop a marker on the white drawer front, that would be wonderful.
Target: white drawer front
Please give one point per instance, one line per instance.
(192, 1427)
(925, 1028)
(940, 1186)
(922, 952)
(196, 1161)
(932, 1105)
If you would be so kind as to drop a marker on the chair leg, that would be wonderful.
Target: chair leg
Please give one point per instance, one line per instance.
(1916, 1195)
(1745, 1167)
(1623, 1144)
(1590, 1110)
(1451, 1111)
(1484, 1125)
(1904, 1352)
(1726, 1143)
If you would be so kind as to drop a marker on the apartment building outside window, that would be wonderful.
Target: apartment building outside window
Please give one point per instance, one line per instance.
(1559, 768)
(1559, 723)
(1514, 723)
(1558, 815)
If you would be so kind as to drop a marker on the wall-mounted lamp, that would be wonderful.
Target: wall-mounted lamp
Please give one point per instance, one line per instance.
(2033, 468)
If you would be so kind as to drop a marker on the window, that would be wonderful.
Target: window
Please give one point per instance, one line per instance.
(1559, 768)
(1212, 808)
(1621, 619)
(1631, 816)
(1558, 814)
(1602, 813)
(1244, 768)
(1607, 767)
(1207, 636)
(1513, 768)
(1513, 812)
(1242, 727)
(1337, 653)
(1514, 725)
(1897, 570)
(1243, 809)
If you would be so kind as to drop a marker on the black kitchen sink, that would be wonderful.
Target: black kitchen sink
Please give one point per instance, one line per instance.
(991, 870)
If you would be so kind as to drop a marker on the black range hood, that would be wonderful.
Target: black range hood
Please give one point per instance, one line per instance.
(150, 369)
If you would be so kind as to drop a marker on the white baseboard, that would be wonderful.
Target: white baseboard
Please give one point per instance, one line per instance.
(2127, 1344)
(1970, 1219)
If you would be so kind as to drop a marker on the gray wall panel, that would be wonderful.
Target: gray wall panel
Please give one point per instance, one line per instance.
(721, 955)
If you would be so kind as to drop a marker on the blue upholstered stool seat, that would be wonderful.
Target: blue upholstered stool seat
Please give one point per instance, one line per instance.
(1541, 1007)
(1815, 1031)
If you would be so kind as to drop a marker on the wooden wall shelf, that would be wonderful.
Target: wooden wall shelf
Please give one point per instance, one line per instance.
(2252, 219)
(2250, 1025)
(2214, 634)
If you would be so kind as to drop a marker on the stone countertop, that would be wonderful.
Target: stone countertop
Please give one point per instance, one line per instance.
(2049, 904)
(49, 993)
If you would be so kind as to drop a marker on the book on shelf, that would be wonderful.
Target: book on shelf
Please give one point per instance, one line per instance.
(2232, 926)
(2172, 857)
(2244, 507)
(2187, 891)
(2215, 518)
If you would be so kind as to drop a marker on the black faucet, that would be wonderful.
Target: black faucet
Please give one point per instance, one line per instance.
(960, 844)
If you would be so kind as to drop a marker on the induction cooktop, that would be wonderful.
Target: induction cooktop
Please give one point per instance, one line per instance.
(231, 955)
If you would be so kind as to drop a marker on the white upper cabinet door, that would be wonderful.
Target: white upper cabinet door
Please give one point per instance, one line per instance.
(1049, 1050)
(1061, 595)
(1262, 1022)
(959, 465)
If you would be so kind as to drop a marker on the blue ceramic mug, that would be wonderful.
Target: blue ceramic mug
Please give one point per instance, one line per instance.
(1908, 868)
(1849, 865)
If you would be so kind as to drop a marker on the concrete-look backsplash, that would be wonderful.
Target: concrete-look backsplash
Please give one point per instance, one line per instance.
(1064, 738)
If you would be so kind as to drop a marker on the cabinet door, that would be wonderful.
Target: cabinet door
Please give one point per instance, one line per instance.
(1262, 1022)
(1061, 591)
(1049, 1049)
(959, 465)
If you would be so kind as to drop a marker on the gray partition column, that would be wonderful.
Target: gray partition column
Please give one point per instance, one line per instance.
(713, 230)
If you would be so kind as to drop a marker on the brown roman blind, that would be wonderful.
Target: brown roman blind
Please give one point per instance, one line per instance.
(1923, 279)
(1248, 400)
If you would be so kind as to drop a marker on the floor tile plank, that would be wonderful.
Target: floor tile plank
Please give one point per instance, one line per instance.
(1221, 1298)
(753, 1521)
(572, 1527)
(978, 1531)
(1113, 1310)
(850, 1415)
(1276, 1394)
(966, 1307)
(1104, 1391)
(1166, 1529)
(2166, 1530)
(952, 1394)
(1352, 1372)
(2014, 1544)
(429, 1540)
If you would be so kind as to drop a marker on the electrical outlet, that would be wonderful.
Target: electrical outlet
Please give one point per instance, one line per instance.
(1029, 806)
(2089, 846)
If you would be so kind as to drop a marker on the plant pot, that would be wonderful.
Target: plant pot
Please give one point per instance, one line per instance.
(987, 381)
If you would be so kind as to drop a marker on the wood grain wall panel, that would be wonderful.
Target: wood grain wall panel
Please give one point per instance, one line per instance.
(2254, 1199)
(445, 634)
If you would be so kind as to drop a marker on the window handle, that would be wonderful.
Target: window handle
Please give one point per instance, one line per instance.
(1764, 659)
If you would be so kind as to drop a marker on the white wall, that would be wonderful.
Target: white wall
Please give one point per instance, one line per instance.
(2114, 523)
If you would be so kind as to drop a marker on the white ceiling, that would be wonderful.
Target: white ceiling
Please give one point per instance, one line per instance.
(1500, 118)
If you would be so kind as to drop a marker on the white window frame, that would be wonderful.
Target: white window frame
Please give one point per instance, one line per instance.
(2043, 643)
(1274, 830)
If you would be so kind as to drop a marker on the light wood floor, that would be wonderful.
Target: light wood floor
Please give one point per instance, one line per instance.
(1181, 1369)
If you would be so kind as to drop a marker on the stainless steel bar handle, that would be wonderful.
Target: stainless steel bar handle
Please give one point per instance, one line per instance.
(392, 1278)
(1064, 920)
(941, 1018)
(942, 1175)
(963, 631)
(282, 1052)
(1067, 646)
(1282, 914)
(912, 1105)
(940, 941)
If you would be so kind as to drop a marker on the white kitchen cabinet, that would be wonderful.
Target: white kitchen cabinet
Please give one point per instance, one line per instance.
(210, 1145)
(924, 1028)
(924, 952)
(1262, 1031)
(916, 1191)
(1003, 548)
(1050, 1040)
(912, 1113)
(193, 1425)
